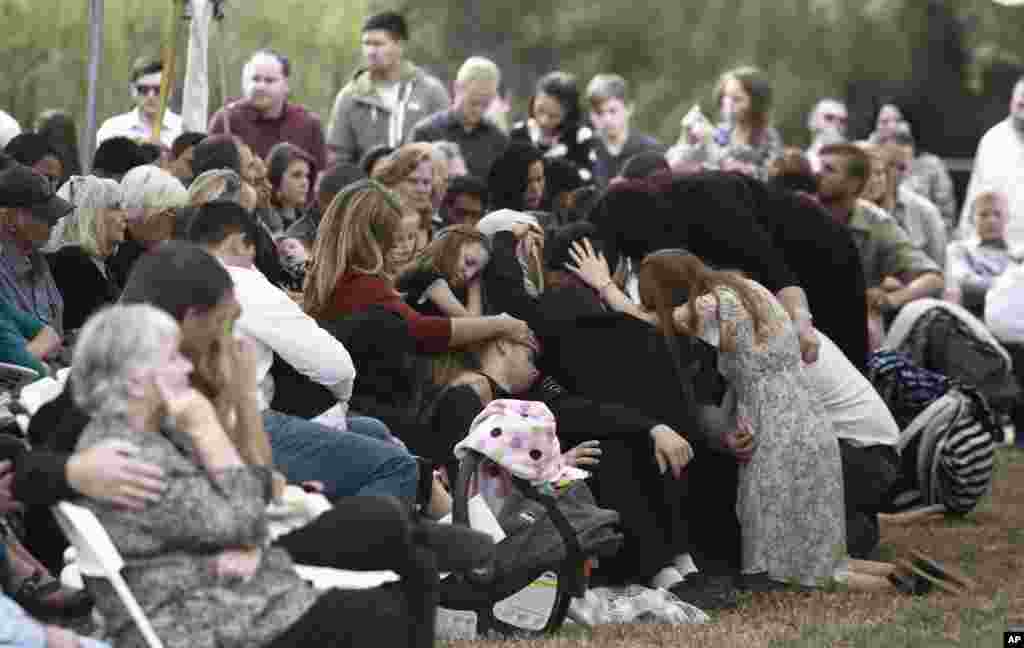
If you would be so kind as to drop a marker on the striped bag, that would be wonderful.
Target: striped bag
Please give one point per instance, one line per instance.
(952, 452)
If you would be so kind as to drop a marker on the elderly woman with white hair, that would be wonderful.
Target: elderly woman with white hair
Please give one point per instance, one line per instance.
(152, 197)
(84, 240)
(199, 559)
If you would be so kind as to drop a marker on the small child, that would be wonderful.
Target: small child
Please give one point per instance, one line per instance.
(444, 279)
(294, 258)
(974, 264)
(410, 239)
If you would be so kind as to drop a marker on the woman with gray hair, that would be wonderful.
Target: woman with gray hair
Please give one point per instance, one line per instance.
(199, 561)
(152, 197)
(85, 239)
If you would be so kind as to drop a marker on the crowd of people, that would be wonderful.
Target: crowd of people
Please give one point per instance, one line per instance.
(274, 303)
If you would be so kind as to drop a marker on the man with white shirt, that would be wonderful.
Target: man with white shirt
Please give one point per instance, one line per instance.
(278, 325)
(999, 166)
(9, 128)
(138, 125)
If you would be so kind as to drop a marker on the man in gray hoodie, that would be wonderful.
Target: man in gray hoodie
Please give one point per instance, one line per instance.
(384, 100)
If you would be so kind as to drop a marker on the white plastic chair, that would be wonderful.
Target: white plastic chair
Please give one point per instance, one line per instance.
(42, 391)
(98, 557)
(13, 379)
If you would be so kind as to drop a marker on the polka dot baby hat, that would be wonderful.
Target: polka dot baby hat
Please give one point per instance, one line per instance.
(520, 437)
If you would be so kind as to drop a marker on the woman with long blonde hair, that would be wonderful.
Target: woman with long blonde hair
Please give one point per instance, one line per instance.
(349, 272)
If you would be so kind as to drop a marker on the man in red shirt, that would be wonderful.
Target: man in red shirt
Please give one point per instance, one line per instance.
(264, 117)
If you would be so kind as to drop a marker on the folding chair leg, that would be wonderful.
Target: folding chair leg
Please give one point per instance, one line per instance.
(136, 611)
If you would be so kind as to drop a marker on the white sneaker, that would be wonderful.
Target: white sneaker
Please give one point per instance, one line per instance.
(666, 578)
(684, 563)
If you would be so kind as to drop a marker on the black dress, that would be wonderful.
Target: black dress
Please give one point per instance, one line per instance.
(120, 265)
(413, 286)
(825, 260)
(83, 285)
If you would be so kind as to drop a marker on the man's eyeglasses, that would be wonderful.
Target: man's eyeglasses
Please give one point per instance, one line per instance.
(147, 90)
(833, 118)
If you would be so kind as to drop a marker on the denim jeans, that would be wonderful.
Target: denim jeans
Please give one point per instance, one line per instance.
(370, 427)
(17, 628)
(348, 463)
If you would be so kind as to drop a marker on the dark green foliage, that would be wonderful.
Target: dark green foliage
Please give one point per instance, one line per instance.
(952, 57)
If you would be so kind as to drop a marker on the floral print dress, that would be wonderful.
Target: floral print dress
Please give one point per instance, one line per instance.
(790, 502)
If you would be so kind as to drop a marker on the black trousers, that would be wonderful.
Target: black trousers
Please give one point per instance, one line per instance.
(366, 533)
(383, 616)
(871, 475)
(662, 516)
(711, 508)
(650, 509)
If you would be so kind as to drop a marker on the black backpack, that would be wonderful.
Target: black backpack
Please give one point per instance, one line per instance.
(947, 339)
(551, 535)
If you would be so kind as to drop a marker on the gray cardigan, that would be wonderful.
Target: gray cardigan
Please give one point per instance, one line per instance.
(169, 549)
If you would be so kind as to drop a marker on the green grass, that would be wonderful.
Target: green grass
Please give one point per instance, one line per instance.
(920, 626)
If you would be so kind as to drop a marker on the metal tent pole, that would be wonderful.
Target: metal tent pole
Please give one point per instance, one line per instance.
(95, 60)
(170, 58)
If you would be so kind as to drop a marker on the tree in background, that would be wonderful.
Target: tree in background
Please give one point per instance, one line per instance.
(46, 50)
(952, 61)
(673, 53)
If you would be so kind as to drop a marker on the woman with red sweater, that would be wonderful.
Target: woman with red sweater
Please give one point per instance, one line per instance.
(347, 273)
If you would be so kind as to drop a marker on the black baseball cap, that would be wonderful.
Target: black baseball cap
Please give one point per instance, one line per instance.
(22, 187)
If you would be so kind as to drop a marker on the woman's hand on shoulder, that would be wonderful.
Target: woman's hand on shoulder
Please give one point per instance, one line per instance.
(111, 471)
